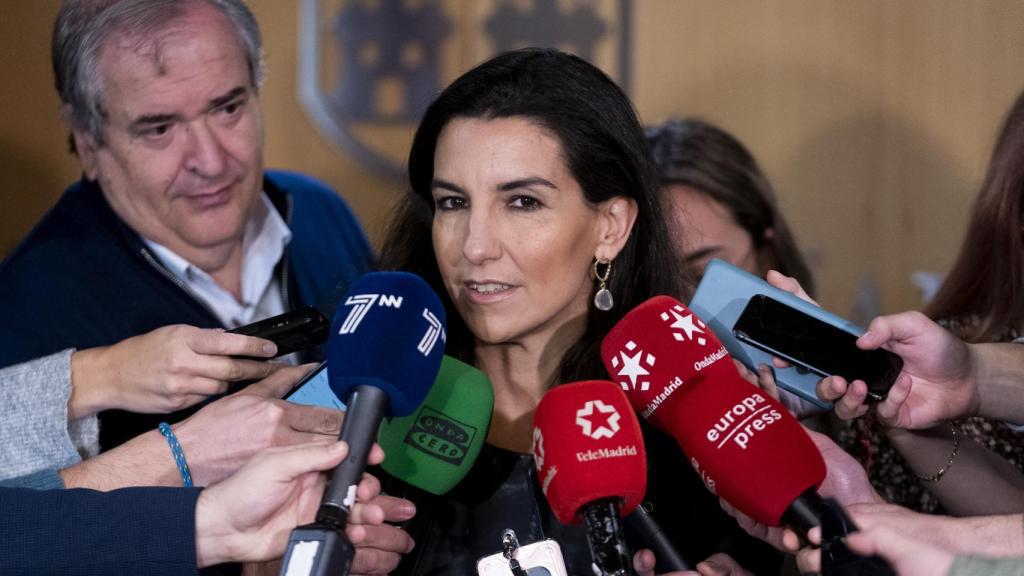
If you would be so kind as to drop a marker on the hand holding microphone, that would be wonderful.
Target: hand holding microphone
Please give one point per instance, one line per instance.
(384, 350)
(247, 516)
(591, 464)
(845, 481)
(677, 374)
(435, 447)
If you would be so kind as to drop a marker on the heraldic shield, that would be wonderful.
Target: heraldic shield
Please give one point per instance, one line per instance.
(369, 68)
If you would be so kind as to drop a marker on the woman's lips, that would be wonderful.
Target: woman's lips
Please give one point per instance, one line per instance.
(487, 292)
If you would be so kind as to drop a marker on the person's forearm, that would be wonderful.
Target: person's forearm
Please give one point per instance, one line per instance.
(999, 536)
(979, 482)
(89, 375)
(999, 372)
(143, 461)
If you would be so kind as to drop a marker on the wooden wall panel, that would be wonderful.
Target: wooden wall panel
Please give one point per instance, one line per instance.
(874, 119)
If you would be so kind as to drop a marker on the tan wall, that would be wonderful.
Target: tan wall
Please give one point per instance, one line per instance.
(874, 119)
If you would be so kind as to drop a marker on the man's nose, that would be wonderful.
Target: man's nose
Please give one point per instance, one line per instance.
(205, 154)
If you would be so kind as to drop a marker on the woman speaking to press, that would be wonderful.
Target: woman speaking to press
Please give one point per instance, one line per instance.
(534, 213)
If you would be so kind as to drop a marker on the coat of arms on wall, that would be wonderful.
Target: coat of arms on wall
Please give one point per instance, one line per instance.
(369, 68)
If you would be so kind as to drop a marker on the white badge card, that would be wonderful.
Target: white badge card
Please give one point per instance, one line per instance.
(542, 558)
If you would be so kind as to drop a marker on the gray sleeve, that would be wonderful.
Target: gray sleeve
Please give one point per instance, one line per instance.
(966, 565)
(34, 432)
(41, 480)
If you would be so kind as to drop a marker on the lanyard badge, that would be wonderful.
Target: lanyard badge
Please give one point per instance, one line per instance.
(542, 558)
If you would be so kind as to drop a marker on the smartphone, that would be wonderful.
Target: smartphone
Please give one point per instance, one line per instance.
(292, 331)
(720, 297)
(822, 348)
(315, 390)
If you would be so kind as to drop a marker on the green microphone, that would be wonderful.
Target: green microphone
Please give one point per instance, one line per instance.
(435, 447)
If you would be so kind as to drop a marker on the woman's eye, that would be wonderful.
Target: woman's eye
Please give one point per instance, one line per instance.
(525, 203)
(450, 203)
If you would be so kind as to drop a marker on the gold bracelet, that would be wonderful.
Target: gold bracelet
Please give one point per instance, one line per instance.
(949, 463)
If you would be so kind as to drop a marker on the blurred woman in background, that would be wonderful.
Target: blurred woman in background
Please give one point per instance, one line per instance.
(722, 204)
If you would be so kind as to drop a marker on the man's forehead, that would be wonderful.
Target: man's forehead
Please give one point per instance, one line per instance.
(203, 62)
(153, 41)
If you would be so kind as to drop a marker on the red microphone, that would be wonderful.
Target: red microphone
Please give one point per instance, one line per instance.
(746, 447)
(591, 464)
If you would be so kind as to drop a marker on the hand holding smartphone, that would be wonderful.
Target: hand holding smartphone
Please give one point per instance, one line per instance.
(822, 348)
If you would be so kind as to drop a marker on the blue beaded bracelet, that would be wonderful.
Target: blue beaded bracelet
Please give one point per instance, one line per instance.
(179, 456)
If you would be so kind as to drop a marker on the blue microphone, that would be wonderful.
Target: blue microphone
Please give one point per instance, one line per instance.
(384, 349)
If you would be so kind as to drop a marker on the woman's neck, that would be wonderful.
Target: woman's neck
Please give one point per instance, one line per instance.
(521, 373)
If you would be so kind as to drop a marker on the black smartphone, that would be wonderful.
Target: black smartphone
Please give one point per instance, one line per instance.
(818, 346)
(292, 331)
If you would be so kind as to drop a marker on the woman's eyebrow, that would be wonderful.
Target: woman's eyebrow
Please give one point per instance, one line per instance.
(526, 183)
(445, 185)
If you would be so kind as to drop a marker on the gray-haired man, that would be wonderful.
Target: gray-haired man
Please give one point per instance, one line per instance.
(175, 221)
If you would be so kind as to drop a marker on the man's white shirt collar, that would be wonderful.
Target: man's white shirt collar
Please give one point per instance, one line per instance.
(263, 245)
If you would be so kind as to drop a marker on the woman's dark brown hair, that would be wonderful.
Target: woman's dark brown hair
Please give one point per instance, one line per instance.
(983, 295)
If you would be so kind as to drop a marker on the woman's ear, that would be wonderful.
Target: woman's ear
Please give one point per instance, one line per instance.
(617, 216)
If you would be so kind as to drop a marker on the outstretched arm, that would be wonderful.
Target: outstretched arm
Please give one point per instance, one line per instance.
(943, 378)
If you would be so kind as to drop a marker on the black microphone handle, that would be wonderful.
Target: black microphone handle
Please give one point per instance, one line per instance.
(805, 512)
(608, 547)
(810, 509)
(366, 405)
(651, 535)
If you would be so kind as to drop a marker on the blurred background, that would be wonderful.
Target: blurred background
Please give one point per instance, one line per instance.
(874, 119)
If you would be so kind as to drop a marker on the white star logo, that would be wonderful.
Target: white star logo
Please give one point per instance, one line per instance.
(631, 367)
(538, 448)
(689, 324)
(584, 414)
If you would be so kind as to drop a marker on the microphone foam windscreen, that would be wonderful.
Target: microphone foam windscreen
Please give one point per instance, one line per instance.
(435, 447)
(388, 332)
(744, 444)
(587, 445)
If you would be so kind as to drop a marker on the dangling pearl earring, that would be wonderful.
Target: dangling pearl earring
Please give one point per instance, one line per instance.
(603, 299)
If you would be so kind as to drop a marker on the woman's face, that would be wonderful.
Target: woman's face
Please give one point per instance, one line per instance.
(704, 229)
(514, 238)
